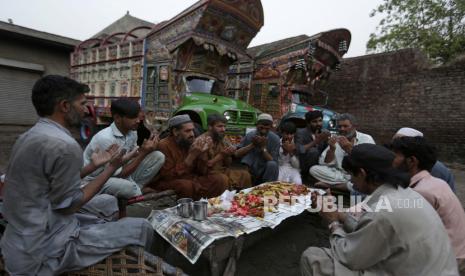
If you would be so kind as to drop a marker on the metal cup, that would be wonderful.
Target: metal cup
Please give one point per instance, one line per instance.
(200, 210)
(184, 207)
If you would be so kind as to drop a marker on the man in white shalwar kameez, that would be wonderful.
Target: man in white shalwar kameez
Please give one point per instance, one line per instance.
(289, 169)
(329, 171)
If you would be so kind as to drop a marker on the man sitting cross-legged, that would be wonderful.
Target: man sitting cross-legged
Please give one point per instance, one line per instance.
(141, 164)
(259, 150)
(330, 172)
(54, 224)
(218, 158)
(311, 141)
(179, 171)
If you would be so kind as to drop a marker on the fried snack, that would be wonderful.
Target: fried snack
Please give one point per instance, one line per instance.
(252, 203)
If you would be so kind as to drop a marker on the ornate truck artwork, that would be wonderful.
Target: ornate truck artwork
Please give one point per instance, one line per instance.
(178, 66)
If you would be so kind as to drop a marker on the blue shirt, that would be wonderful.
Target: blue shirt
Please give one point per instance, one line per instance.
(440, 170)
(272, 146)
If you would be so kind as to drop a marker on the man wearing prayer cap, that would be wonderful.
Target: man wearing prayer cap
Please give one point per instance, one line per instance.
(259, 150)
(179, 172)
(439, 170)
(398, 233)
(407, 131)
(179, 120)
(311, 141)
(416, 157)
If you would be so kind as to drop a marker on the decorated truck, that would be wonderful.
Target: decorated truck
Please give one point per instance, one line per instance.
(286, 76)
(175, 67)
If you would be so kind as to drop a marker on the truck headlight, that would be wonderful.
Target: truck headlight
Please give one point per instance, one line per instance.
(331, 124)
(227, 115)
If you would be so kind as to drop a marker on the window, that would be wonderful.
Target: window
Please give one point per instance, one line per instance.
(199, 85)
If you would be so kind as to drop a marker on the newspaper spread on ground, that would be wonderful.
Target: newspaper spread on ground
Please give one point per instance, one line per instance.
(191, 237)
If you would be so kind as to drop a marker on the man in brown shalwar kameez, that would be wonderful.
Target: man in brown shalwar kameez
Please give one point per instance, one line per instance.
(218, 157)
(179, 171)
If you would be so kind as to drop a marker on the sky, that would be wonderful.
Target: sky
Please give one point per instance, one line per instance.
(81, 19)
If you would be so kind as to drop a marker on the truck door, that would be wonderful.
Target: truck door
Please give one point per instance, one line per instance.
(157, 96)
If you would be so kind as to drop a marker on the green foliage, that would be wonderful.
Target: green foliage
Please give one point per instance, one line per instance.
(435, 26)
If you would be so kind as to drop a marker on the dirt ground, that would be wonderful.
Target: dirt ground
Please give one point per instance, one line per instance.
(278, 251)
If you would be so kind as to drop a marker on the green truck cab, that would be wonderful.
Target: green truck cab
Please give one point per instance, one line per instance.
(199, 103)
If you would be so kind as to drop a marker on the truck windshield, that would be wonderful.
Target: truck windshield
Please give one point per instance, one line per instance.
(199, 85)
(299, 97)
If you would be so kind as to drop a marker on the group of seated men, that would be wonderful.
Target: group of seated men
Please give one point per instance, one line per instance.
(201, 166)
(60, 202)
(409, 224)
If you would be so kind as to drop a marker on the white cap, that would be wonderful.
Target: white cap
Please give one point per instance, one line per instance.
(409, 132)
(265, 117)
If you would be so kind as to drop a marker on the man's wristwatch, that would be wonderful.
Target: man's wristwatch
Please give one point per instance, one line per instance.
(264, 150)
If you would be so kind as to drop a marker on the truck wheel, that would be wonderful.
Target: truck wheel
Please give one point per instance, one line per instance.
(88, 129)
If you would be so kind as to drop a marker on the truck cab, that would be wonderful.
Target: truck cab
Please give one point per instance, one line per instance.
(203, 97)
(303, 101)
(187, 60)
(175, 67)
(286, 75)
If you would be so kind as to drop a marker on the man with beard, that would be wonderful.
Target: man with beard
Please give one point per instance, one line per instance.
(140, 164)
(397, 233)
(179, 172)
(259, 150)
(439, 170)
(51, 227)
(311, 141)
(415, 156)
(219, 156)
(330, 172)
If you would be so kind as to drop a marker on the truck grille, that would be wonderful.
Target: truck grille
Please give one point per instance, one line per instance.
(246, 117)
(233, 114)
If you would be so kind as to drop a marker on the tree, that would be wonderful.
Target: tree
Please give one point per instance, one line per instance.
(435, 26)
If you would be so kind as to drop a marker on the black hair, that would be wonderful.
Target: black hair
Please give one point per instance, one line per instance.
(391, 176)
(48, 91)
(288, 127)
(418, 147)
(312, 115)
(214, 118)
(125, 107)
